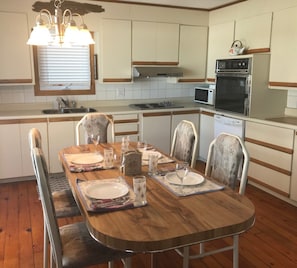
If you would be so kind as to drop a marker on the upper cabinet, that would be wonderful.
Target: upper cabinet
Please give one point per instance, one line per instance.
(192, 53)
(220, 39)
(255, 41)
(155, 43)
(283, 49)
(15, 53)
(116, 51)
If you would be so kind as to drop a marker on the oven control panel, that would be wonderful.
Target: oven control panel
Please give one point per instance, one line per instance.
(242, 65)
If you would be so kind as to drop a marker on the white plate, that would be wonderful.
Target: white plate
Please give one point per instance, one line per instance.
(106, 190)
(145, 154)
(190, 180)
(87, 159)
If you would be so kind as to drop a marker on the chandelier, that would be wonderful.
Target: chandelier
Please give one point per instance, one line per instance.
(59, 29)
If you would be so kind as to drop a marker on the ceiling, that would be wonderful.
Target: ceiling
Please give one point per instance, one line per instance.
(188, 4)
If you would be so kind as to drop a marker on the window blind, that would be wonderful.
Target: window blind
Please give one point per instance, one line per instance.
(63, 68)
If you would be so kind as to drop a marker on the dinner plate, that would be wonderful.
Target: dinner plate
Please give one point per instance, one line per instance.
(191, 179)
(106, 190)
(145, 154)
(87, 159)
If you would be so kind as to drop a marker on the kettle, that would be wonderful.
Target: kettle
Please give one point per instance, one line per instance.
(236, 48)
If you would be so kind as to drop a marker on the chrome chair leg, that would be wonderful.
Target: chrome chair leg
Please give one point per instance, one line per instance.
(186, 257)
(235, 250)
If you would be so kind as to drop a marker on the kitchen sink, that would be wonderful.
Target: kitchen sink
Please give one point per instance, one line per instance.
(69, 110)
(155, 105)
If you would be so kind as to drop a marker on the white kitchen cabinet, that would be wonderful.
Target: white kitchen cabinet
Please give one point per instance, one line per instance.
(283, 49)
(154, 42)
(206, 133)
(193, 52)
(220, 39)
(15, 53)
(156, 130)
(61, 134)
(271, 150)
(116, 51)
(255, 40)
(10, 157)
(293, 188)
(127, 125)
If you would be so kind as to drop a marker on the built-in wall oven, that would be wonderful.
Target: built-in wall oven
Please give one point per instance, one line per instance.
(233, 82)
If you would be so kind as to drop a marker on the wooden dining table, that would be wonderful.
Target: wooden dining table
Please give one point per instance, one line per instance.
(167, 221)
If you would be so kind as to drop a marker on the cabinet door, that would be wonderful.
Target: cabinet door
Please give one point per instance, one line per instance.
(60, 135)
(206, 134)
(283, 49)
(260, 39)
(156, 129)
(193, 51)
(177, 117)
(155, 42)
(15, 53)
(220, 39)
(10, 148)
(127, 125)
(293, 187)
(116, 51)
(27, 168)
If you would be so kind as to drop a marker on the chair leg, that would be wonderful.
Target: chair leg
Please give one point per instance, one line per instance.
(152, 260)
(235, 251)
(110, 264)
(45, 246)
(186, 251)
(201, 248)
(127, 263)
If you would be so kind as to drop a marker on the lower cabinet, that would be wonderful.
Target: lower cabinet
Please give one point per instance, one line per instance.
(61, 134)
(15, 157)
(156, 130)
(206, 133)
(293, 188)
(271, 154)
(127, 125)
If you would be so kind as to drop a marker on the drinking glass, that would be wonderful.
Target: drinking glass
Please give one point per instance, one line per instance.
(181, 170)
(139, 188)
(95, 138)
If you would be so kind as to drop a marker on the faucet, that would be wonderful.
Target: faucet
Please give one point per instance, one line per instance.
(62, 103)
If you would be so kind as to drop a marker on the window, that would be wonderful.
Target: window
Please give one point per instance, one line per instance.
(64, 70)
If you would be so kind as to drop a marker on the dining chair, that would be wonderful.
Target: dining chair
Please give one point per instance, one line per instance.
(64, 202)
(72, 244)
(227, 163)
(185, 142)
(97, 124)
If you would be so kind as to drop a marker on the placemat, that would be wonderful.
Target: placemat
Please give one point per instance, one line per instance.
(82, 167)
(106, 205)
(205, 187)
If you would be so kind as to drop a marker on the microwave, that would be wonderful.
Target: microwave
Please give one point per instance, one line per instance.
(205, 95)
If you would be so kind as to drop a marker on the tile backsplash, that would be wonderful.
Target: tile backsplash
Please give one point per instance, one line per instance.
(141, 89)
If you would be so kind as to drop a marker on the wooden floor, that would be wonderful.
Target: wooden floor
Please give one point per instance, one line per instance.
(272, 242)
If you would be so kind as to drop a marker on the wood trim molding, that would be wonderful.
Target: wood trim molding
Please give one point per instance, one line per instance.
(268, 186)
(269, 145)
(282, 84)
(126, 133)
(22, 121)
(156, 114)
(126, 121)
(258, 50)
(190, 80)
(207, 113)
(64, 119)
(16, 81)
(171, 63)
(267, 165)
(117, 80)
(212, 80)
(186, 112)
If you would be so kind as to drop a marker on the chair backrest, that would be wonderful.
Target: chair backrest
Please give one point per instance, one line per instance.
(50, 219)
(95, 123)
(185, 142)
(34, 138)
(228, 161)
